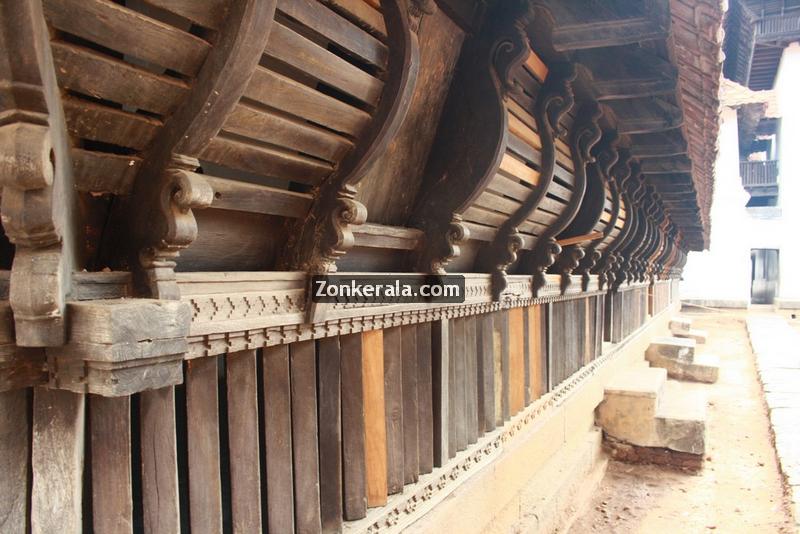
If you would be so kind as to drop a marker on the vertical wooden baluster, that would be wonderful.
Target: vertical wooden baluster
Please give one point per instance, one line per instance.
(330, 433)
(374, 418)
(202, 413)
(548, 310)
(425, 397)
(410, 404)
(485, 342)
(305, 451)
(112, 501)
(516, 364)
(500, 385)
(393, 396)
(458, 384)
(505, 362)
(471, 382)
(526, 351)
(353, 453)
(278, 439)
(160, 499)
(535, 351)
(242, 391)
(440, 355)
(15, 431)
(57, 461)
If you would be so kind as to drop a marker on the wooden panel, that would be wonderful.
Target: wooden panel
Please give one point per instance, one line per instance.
(305, 457)
(410, 428)
(278, 439)
(101, 172)
(459, 383)
(88, 120)
(374, 418)
(440, 356)
(112, 500)
(160, 501)
(536, 66)
(425, 398)
(500, 366)
(93, 74)
(209, 13)
(516, 361)
(15, 432)
(471, 377)
(503, 326)
(486, 396)
(337, 29)
(361, 13)
(243, 432)
(240, 196)
(329, 389)
(202, 422)
(290, 96)
(516, 168)
(57, 461)
(308, 57)
(126, 31)
(393, 395)
(536, 355)
(353, 454)
(288, 132)
(265, 160)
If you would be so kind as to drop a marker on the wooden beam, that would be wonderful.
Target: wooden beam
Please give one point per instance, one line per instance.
(605, 33)
(666, 165)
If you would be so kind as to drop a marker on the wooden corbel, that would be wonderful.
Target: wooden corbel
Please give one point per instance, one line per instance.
(555, 99)
(461, 166)
(585, 135)
(642, 253)
(182, 190)
(635, 230)
(417, 9)
(38, 198)
(326, 233)
(618, 176)
(607, 157)
(167, 189)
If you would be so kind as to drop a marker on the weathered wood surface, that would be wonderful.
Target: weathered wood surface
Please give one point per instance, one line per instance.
(411, 409)
(393, 395)
(375, 444)
(425, 401)
(353, 429)
(243, 440)
(160, 500)
(440, 358)
(278, 436)
(57, 460)
(305, 451)
(15, 444)
(112, 499)
(330, 410)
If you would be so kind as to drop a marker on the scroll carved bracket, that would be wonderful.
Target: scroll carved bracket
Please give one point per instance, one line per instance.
(554, 101)
(182, 191)
(585, 135)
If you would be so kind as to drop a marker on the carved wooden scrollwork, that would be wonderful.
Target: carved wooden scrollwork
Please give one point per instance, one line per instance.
(618, 176)
(326, 233)
(182, 191)
(586, 133)
(36, 177)
(554, 101)
(476, 104)
(635, 230)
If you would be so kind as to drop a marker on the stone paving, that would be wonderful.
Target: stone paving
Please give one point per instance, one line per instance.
(777, 349)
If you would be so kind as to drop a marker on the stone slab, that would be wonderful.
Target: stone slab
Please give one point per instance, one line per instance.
(680, 325)
(679, 348)
(699, 336)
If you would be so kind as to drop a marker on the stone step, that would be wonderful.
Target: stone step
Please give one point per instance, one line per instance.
(699, 336)
(700, 368)
(651, 419)
(676, 348)
(680, 325)
(681, 418)
(628, 410)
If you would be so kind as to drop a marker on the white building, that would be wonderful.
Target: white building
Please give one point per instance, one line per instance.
(755, 247)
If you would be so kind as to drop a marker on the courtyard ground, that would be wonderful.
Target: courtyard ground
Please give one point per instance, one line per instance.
(740, 488)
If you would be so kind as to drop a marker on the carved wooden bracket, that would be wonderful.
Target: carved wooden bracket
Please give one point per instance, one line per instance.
(38, 199)
(182, 191)
(326, 233)
(555, 99)
(460, 167)
(618, 176)
(634, 229)
(585, 134)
